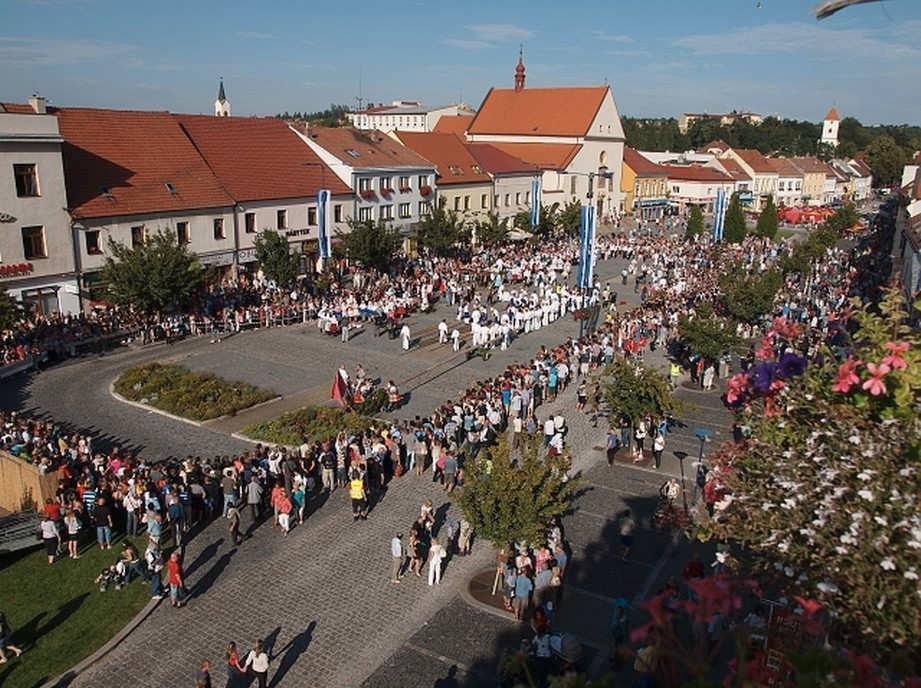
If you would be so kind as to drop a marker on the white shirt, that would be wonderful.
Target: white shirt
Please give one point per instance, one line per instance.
(259, 662)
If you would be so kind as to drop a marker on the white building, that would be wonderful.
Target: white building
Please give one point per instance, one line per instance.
(573, 134)
(404, 115)
(830, 129)
(789, 182)
(695, 185)
(392, 183)
(36, 250)
(760, 169)
(221, 105)
(512, 179)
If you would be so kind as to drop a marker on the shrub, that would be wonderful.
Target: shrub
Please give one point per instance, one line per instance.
(311, 422)
(177, 390)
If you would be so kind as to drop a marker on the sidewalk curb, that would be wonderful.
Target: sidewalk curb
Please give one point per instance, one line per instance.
(150, 409)
(482, 606)
(68, 676)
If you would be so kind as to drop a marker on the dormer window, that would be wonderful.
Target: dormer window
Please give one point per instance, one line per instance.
(169, 187)
(354, 153)
(455, 170)
(476, 169)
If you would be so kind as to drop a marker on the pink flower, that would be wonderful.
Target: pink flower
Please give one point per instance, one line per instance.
(766, 351)
(894, 359)
(847, 378)
(736, 387)
(777, 384)
(875, 384)
(785, 329)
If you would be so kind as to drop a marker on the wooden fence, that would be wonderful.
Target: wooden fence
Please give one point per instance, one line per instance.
(22, 487)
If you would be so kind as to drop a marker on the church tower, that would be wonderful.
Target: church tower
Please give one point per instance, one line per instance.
(519, 71)
(221, 105)
(830, 129)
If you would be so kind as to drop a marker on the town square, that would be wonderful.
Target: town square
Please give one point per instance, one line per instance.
(539, 378)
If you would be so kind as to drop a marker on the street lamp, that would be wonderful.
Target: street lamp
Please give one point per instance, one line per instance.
(703, 435)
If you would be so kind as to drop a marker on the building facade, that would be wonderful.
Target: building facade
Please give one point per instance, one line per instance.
(760, 169)
(37, 264)
(830, 129)
(644, 185)
(404, 115)
(789, 182)
(695, 185)
(512, 179)
(391, 183)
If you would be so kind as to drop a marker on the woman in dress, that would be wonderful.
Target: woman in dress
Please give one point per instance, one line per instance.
(51, 536)
(72, 524)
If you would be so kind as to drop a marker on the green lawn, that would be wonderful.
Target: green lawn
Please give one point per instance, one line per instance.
(57, 613)
(312, 422)
(177, 390)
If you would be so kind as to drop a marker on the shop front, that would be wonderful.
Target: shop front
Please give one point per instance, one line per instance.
(651, 208)
(41, 294)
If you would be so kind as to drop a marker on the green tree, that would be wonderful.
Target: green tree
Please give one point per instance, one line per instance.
(767, 221)
(695, 226)
(442, 230)
(734, 229)
(157, 275)
(886, 158)
(373, 244)
(275, 258)
(11, 311)
(633, 391)
(749, 297)
(844, 218)
(509, 501)
(491, 231)
(569, 219)
(706, 333)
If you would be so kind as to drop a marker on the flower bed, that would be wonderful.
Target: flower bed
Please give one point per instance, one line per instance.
(312, 422)
(177, 390)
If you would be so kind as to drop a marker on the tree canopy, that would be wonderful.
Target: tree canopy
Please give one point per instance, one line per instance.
(734, 228)
(11, 311)
(695, 226)
(372, 244)
(157, 275)
(631, 390)
(767, 221)
(275, 258)
(491, 231)
(886, 158)
(749, 297)
(705, 333)
(442, 230)
(510, 500)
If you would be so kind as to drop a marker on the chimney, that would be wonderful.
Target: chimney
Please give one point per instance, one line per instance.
(38, 104)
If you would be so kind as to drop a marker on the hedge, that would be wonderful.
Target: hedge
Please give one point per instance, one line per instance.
(311, 422)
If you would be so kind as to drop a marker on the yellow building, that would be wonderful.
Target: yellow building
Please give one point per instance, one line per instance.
(645, 186)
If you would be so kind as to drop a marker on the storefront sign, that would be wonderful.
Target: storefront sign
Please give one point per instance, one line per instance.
(217, 259)
(297, 232)
(16, 270)
(246, 255)
(653, 202)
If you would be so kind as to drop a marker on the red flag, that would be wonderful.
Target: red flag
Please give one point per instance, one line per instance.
(339, 391)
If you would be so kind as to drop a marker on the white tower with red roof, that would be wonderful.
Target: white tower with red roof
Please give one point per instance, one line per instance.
(830, 128)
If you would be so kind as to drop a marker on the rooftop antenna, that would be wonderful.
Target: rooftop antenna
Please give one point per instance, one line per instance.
(359, 98)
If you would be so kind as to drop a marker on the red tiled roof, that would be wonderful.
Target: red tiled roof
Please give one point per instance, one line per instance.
(695, 173)
(259, 158)
(17, 108)
(785, 167)
(732, 168)
(717, 144)
(373, 148)
(453, 124)
(861, 167)
(547, 156)
(810, 165)
(118, 162)
(755, 160)
(454, 163)
(496, 161)
(641, 166)
(539, 111)
(833, 114)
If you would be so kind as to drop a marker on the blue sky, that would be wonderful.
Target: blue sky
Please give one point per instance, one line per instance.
(661, 56)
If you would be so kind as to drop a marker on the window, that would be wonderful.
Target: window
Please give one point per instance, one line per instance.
(508, 200)
(404, 182)
(337, 212)
(484, 201)
(406, 210)
(675, 188)
(423, 180)
(281, 219)
(386, 212)
(424, 208)
(572, 185)
(249, 222)
(219, 228)
(138, 236)
(92, 242)
(385, 183)
(311, 217)
(457, 203)
(364, 214)
(352, 152)
(33, 243)
(455, 170)
(182, 233)
(364, 184)
(26, 180)
(466, 202)
(517, 198)
(527, 197)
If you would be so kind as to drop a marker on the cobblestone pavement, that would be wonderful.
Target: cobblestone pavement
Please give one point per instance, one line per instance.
(321, 596)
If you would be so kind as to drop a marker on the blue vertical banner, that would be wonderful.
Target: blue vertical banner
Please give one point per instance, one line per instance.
(323, 230)
(586, 247)
(535, 202)
(720, 205)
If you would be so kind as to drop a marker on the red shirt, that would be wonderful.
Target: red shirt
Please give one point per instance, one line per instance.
(175, 572)
(53, 510)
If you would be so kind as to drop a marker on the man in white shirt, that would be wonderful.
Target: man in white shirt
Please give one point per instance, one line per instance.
(442, 332)
(405, 336)
(398, 556)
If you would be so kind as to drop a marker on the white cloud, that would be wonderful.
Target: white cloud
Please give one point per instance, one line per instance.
(499, 32)
(612, 38)
(803, 39)
(628, 53)
(44, 51)
(467, 44)
(255, 35)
